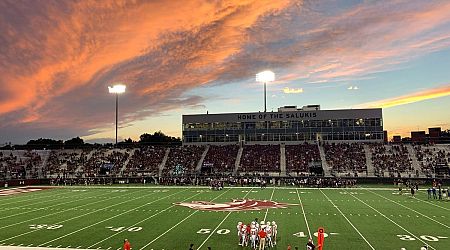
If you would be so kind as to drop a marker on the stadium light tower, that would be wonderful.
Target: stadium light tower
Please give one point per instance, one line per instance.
(265, 77)
(117, 89)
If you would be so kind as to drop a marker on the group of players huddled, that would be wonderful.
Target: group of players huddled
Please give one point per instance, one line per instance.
(258, 235)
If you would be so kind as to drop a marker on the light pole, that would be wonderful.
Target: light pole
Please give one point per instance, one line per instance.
(117, 89)
(265, 77)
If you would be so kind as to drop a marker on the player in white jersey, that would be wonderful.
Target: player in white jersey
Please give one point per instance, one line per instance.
(269, 234)
(274, 232)
(253, 236)
(239, 231)
(244, 236)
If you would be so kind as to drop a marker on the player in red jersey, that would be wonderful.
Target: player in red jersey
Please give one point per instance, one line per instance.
(262, 238)
(126, 245)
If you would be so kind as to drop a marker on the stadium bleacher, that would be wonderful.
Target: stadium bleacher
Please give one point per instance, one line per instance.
(388, 160)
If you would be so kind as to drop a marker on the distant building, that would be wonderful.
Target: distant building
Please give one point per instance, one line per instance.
(434, 132)
(396, 138)
(418, 136)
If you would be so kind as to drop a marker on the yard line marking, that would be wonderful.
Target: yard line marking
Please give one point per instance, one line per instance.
(187, 217)
(411, 210)
(139, 222)
(395, 223)
(351, 224)
(229, 213)
(271, 196)
(81, 229)
(26, 200)
(432, 204)
(74, 208)
(72, 200)
(304, 215)
(67, 219)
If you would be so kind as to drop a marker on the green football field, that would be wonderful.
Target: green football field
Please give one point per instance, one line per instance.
(101, 218)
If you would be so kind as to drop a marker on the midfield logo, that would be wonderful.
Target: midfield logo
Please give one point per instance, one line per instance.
(235, 205)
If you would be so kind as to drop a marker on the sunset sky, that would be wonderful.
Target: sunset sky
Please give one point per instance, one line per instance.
(183, 57)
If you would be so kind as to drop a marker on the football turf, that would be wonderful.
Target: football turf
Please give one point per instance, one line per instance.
(101, 218)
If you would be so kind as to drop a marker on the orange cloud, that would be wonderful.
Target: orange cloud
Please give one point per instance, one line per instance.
(409, 98)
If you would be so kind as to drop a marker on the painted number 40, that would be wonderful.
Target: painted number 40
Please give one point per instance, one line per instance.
(119, 229)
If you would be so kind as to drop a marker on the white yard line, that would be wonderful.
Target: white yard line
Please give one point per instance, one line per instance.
(345, 217)
(267, 210)
(115, 216)
(43, 208)
(304, 215)
(141, 221)
(115, 197)
(432, 204)
(174, 226)
(229, 213)
(27, 200)
(440, 223)
(395, 223)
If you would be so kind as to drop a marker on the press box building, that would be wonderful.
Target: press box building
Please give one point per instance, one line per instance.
(289, 125)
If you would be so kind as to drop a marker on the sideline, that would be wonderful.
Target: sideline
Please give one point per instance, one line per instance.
(207, 187)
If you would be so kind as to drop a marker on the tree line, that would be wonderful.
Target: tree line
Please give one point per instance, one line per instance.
(157, 138)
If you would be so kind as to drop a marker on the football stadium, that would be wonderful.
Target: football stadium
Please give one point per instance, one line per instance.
(170, 125)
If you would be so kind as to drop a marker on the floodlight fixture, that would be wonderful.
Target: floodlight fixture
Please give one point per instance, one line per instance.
(117, 89)
(265, 77)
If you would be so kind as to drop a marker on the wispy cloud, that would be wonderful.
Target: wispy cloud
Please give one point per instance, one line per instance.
(288, 90)
(409, 98)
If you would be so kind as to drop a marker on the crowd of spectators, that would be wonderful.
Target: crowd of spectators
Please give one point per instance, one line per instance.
(299, 157)
(393, 159)
(345, 157)
(260, 158)
(220, 159)
(109, 161)
(183, 160)
(65, 161)
(430, 157)
(21, 164)
(146, 160)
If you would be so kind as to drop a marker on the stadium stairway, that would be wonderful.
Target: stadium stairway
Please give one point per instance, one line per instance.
(163, 163)
(415, 163)
(125, 164)
(369, 163)
(200, 162)
(283, 160)
(45, 154)
(326, 168)
(238, 160)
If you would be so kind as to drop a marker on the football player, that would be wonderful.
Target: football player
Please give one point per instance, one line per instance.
(269, 234)
(239, 231)
(244, 238)
(253, 236)
(274, 232)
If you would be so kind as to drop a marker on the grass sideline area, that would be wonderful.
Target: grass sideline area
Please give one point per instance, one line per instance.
(90, 217)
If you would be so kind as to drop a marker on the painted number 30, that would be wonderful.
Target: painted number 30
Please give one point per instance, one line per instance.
(207, 231)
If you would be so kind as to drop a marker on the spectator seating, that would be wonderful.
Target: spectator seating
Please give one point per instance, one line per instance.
(299, 157)
(260, 158)
(220, 159)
